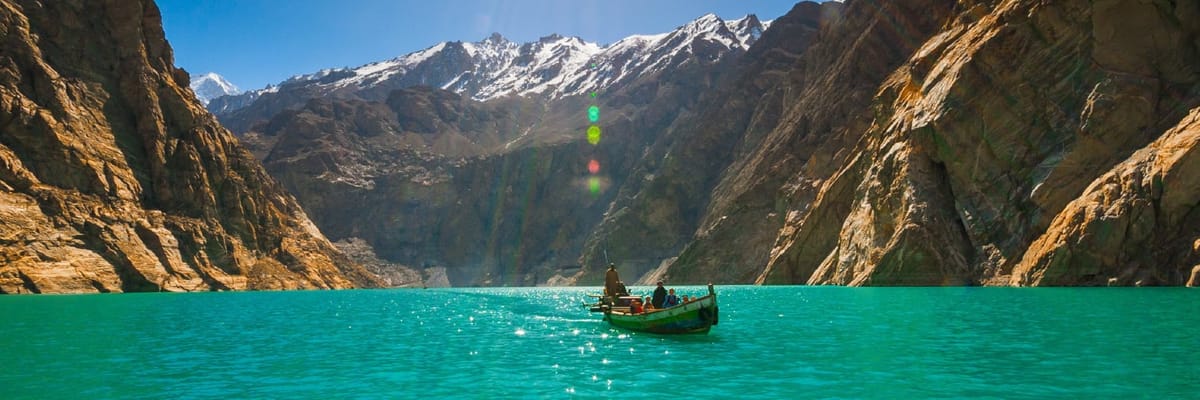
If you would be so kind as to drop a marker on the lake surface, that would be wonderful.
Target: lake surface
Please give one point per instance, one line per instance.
(772, 342)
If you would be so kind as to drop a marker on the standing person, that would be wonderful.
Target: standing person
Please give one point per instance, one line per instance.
(611, 282)
(660, 294)
(672, 300)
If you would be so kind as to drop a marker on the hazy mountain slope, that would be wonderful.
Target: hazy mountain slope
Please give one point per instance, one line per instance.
(658, 215)
(497, 192)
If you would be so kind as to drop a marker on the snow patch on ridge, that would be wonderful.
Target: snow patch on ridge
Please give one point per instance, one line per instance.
(554, 66)
(210, 86)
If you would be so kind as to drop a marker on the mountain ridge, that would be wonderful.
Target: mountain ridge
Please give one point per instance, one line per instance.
(552, 67)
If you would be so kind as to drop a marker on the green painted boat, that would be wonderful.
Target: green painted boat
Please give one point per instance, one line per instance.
(696, 316)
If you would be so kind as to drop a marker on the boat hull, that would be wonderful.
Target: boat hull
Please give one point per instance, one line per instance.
(693, 317)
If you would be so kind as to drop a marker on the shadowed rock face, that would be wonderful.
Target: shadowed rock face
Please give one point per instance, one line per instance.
(690, 194)
(114, 178)
(1137, 224)
(1024, 143)
(930, 142)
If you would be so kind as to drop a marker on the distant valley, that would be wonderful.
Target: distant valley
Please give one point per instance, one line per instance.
(473, 156)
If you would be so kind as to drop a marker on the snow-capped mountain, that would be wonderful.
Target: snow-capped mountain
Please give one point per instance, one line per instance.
(210, 86)
(553, 67)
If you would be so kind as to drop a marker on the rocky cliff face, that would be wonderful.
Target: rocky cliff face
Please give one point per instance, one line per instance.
(1024, 142)
(1136, 224)
(927, 142)
(676, 205)
(114, 178)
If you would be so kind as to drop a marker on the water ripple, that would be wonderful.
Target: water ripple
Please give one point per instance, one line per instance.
(772, 342)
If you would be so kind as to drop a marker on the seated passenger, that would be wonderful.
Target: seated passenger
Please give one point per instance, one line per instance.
(686, 299)
(671, 300)
(636, 307)
(649, 305)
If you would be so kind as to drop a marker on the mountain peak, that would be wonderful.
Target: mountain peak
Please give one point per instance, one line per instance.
(212, 85)
(496, 37)
(747, 29)
(748, 21)
(706, 22)
(550, 38)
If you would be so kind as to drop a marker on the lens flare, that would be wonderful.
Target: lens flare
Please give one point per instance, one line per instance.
(594, 167)
(593, 114)
(593, 135)
(594, 185)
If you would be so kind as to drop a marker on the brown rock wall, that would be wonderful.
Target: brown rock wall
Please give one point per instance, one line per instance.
(1135, 225)
(989, 131)
(114, 178)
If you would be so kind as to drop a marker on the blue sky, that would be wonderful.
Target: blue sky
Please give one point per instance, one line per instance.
(256, 42)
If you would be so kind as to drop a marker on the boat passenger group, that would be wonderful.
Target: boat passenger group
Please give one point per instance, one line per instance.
(615, 290)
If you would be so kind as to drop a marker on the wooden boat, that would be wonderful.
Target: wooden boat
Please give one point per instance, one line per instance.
(696, 316)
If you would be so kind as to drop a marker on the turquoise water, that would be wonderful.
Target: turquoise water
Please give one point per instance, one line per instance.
(773, 342)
